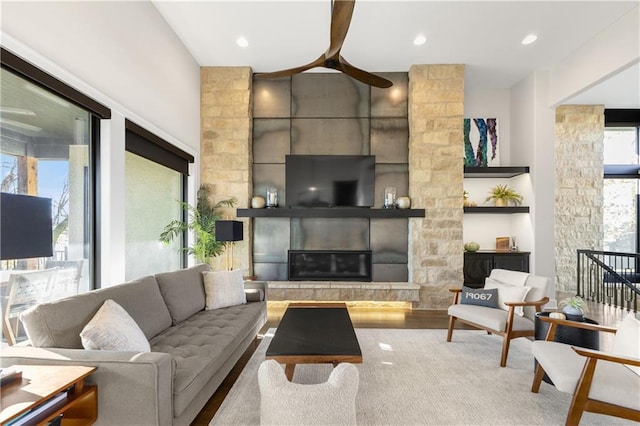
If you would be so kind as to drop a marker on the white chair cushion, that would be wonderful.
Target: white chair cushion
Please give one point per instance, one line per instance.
(508, 293)
(223, 288)
(627, 340)
(495, 319)
(612, 382)
(286, 403)
(113, 329)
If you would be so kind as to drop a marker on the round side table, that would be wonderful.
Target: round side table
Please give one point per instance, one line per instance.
(589, 339)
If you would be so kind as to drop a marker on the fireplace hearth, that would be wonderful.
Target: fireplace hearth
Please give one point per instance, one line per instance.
(329, 265)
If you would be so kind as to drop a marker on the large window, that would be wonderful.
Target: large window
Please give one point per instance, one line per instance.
(153, 195)
(48, 143)
(156, 175)
(622, 181)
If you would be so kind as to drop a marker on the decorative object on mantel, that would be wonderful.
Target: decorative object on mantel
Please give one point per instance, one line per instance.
(272, 197)
(472, 246)
(573, 307)
(258, 202)
(201, 222)
(477, 135)
(502, 244)
(503, 195)
(390, 197)
(403, 202)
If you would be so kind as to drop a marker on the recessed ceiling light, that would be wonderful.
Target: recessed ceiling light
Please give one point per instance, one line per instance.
(529, 39)
(419, 40)
(242, 42)
(16, 111)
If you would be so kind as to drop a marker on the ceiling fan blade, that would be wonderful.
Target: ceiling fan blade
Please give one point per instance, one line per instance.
(362, 75)
(291, 71)
(340, 19)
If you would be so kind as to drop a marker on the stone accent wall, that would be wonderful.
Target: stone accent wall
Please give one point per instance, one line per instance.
(579, 187)
(436, 108)
(225, 143)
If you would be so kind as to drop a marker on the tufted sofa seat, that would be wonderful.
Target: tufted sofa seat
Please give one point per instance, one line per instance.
(192, 349)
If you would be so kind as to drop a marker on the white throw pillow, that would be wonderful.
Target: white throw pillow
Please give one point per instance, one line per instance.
(627, 340)
(223, 288)
(113, 329)
(508, 293)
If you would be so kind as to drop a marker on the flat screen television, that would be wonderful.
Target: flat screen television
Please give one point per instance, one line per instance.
(26, 225)
(330, 180)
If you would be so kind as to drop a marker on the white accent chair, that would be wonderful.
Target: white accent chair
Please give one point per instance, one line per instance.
(600, 382)
(505, 323)
(285, 403)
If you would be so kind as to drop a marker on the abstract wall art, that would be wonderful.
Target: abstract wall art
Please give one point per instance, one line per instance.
(481, 142)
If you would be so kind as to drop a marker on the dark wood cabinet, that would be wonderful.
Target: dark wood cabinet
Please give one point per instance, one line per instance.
(478, 265)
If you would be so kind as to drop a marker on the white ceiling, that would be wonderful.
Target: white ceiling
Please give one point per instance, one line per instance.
(484, 35)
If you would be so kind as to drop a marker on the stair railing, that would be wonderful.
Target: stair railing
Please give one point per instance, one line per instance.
(609, 277)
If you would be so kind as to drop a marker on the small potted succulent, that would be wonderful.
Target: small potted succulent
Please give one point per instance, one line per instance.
(503, 195)
(574, 308)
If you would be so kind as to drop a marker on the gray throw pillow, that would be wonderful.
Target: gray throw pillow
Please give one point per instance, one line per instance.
(479, 296)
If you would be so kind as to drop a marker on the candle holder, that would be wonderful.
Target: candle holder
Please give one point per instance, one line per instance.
(272, 198)
(390, 198)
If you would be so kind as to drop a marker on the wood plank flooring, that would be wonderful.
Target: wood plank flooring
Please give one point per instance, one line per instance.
(379, 318)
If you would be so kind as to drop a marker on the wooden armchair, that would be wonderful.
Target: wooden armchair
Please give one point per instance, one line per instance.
(505, 323)
(601, 382)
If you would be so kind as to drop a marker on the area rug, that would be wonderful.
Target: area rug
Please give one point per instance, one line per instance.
(414, 377)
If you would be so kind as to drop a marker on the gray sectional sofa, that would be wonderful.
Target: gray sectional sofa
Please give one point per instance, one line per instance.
(192, 349)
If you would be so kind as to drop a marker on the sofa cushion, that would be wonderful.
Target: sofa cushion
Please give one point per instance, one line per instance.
(495, 319)
(58, 324)
(508, 293)
(183, 291)
(479, 296)
(223, 288)
(201, 344)
(113, 329)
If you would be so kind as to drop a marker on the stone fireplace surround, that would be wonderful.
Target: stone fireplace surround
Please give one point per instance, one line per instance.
(435, 111)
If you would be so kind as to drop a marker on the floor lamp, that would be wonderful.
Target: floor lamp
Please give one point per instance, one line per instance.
(228, 232)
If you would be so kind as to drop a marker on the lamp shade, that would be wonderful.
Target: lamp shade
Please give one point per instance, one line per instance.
(228, 230)
(26, 227)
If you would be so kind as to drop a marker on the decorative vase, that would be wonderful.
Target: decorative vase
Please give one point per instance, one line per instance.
(472, 246)
(501, 202)
(573, 314)
(258, 202)
(403, 202)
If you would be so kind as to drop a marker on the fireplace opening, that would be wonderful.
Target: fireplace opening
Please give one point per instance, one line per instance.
(329, 265)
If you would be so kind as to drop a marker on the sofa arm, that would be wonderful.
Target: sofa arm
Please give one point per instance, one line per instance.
(133, 388)
(256, 291)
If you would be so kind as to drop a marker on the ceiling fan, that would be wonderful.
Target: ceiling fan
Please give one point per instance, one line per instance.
(341, 12)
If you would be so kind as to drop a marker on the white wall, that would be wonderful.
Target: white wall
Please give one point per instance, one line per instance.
(610, 52)
(124, 55)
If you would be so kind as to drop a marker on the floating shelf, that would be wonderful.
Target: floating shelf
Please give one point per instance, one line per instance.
(329, 212)
(500, 210)
(494, 172)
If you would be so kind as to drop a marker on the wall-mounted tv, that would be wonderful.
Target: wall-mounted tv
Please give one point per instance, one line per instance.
(330, 180)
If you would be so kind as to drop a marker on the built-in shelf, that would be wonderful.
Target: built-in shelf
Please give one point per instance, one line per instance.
(329, 212)
(502, 210)
(494, 172)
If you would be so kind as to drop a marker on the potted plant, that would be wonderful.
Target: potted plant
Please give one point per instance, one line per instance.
(573, 307)
(201, 221)
(502, 195)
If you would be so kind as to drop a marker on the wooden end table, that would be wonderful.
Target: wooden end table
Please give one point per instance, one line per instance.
(40, 383)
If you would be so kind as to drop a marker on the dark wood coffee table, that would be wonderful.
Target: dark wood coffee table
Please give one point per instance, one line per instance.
(314, 334)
